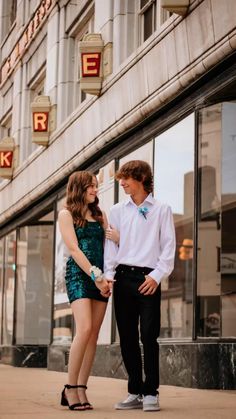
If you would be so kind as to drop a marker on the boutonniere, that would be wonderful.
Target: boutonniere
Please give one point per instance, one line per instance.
(143, 211)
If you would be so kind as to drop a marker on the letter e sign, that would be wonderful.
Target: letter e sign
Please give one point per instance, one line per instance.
(90, 64)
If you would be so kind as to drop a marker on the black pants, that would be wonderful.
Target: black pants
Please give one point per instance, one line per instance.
(137, 314)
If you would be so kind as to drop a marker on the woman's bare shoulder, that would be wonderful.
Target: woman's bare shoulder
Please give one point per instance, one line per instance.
(64, 213)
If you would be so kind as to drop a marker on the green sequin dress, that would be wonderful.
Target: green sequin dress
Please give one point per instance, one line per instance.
(78, 283)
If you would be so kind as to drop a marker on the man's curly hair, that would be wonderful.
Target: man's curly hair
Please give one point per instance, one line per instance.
(138, 170)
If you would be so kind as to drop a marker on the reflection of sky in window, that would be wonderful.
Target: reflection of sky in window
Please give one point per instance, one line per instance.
(228, 148)
(174, 156)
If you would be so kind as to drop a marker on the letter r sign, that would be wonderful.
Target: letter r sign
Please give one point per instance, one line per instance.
(40, 121)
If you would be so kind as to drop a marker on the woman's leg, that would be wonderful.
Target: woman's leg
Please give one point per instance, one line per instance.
(82, 312)
(98, 312)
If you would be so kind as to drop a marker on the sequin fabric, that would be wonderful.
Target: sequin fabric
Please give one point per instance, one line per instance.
(78, 283)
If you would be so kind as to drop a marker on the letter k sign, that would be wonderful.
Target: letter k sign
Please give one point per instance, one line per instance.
(6, 159)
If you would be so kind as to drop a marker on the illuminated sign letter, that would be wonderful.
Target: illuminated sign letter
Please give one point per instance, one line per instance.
(91, 64)
(43, 119)
(6, 158)
(40, 120)
(91, 48)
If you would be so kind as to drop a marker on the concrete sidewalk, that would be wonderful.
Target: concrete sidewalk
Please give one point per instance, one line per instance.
(35, 393)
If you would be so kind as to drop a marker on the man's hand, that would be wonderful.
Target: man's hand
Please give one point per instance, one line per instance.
(105, 286)
(149, 286)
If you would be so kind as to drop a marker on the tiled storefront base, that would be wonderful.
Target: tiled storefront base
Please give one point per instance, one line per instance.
(195, 365)
(31, 356)
(199, 365)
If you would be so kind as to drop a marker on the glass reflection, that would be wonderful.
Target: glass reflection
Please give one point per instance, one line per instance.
(174, 185)
(1, 284)
(34, 284)
(209, 225)
(216, 225)
(228, 241)
(62, 317)
(105, 179)
(9, 287)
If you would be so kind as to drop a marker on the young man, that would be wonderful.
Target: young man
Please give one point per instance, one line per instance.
(144, 256)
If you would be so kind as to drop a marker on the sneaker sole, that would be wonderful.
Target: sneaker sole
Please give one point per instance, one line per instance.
(127, 407)
(151, 409)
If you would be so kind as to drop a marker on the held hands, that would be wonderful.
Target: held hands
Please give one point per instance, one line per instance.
(105, 287)
(112, 234)
(149, 286)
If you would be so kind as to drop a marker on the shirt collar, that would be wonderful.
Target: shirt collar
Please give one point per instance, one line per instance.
(148, 199)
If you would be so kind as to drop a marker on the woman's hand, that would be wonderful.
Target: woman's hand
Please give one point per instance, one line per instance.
(112, 234)
(104, 287)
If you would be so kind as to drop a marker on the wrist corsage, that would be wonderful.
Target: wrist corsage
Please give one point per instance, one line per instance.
(96, 273)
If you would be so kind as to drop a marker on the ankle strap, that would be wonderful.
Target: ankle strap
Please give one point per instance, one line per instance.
(83, 386)
(69, 386)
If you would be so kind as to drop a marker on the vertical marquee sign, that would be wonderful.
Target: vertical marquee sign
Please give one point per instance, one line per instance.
(25, 39)
(91, 49)
(41, 120)
(7, 148)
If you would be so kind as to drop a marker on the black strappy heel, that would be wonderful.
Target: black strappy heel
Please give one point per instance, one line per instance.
(64, 400)
(86, 405)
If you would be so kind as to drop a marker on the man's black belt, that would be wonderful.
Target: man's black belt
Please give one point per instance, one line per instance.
(133, 269)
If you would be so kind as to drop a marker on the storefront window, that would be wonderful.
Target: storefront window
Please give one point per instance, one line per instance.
(216, 287)
(1, 284)
(34, 282)
(174, 185)
(9, 288)
(105, 179)
(62, 317)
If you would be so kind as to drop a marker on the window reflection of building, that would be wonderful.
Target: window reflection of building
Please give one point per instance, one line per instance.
(34, 283)
(1, 283)
(216, 227)
(9, 288)
(62, 317)
(173, 182)
(106, 200)
(106, 186)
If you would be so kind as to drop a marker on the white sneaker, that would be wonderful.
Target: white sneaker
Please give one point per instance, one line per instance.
(151, 403)
(133, 401)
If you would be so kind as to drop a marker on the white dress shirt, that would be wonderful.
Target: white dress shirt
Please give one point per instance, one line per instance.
(144, 241)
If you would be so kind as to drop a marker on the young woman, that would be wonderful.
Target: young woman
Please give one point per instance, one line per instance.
(83, 225)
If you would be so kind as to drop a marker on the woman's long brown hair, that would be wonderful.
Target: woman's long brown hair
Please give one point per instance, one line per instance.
(76, 198)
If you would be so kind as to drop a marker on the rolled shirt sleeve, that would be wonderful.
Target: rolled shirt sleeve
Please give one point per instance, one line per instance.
(165, 264)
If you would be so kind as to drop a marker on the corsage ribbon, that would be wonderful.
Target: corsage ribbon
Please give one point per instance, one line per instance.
(143, 211)
(96, 273)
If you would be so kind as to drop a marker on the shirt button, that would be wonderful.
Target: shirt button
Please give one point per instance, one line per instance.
(132, 269)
